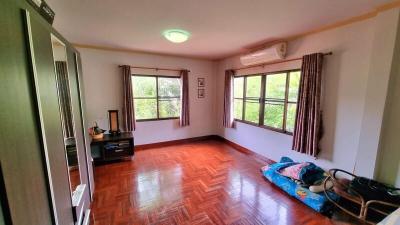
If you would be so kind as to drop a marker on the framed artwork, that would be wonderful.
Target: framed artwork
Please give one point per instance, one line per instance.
(201, 82)
(201, 93)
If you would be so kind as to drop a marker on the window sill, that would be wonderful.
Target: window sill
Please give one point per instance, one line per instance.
(265, 127)
(147, 120)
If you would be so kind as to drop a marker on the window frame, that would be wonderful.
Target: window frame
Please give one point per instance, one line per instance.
(244, 98)
(157, 98)
(263, 100)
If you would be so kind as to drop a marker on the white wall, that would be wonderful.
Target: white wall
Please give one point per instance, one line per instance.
(388, 170)
(345, 83)
(389, 165)
(103, 92)
(355, 85)
(386, 26)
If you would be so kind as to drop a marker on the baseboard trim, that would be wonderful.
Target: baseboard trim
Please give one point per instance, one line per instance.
(247, 151)
(175, 142)
(234, 145)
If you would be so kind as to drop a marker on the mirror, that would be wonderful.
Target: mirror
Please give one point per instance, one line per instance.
(66, 113)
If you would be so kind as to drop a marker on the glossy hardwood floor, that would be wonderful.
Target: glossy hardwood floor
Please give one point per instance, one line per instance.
(205, 182)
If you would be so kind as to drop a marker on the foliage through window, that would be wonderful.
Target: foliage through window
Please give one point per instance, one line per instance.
(156, 97)
(267, 100)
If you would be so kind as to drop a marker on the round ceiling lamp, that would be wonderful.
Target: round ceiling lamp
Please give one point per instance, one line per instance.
(176, 35)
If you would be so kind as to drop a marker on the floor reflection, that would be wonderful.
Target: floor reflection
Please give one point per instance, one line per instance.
(149, 186)
(202, 183)
(245, 189)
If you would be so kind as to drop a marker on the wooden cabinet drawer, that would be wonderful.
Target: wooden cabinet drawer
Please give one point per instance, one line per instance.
(116, 152)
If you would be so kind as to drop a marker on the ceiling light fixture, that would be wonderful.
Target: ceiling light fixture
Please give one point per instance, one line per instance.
(176, 35)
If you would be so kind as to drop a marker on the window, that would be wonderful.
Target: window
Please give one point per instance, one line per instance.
(267, 100)
(156, 97)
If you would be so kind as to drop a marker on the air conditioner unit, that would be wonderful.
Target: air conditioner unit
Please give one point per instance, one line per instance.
(275, 52)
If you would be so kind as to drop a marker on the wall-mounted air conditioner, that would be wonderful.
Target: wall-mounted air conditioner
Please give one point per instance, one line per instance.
(275, 52)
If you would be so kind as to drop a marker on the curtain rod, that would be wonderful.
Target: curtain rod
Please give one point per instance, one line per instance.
(154, 68)
(271, 63)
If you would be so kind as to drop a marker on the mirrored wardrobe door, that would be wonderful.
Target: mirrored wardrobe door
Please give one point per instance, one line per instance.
(87, 139)
(51, 131)
(82, 200)
(71, 121)
(66, 112)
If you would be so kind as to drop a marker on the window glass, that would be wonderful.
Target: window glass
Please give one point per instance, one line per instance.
(146, 98)
(275, 86)
(273, 115)
(168, 87)
(145, 109)
(144, 86)
(253, 86)
(169, 107)
(294, 83)
(252, 104)
(238, 109)
(276, 106)
(291, 117)
(252, 111)
(238, 87)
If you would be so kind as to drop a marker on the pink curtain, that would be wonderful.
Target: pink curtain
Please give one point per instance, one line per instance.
(128, 109)
(307, 131)
(228, 98)
(184, 119)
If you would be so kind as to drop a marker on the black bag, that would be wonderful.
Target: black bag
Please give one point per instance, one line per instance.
(374, 190)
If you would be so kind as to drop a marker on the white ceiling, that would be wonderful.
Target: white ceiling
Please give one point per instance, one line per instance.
(219, 28)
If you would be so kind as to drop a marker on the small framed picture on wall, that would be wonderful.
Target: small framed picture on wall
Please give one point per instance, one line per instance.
(201, 93)
(201, 82)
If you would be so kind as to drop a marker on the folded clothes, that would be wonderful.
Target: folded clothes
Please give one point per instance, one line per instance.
(307, 173)
(293, 171)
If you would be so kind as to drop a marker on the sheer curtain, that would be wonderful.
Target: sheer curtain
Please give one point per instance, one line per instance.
(307, 131)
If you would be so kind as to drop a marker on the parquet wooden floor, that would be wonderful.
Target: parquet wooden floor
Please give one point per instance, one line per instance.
(205, 182)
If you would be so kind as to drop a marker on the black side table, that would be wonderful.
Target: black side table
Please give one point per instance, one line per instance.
(112, 147)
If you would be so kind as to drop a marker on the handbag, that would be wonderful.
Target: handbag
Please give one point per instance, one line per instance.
(373, 190)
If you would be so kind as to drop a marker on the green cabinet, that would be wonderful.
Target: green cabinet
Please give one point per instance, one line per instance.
(21, 152)
(32, 153)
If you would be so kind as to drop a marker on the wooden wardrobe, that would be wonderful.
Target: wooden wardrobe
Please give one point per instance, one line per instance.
(34, 177)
